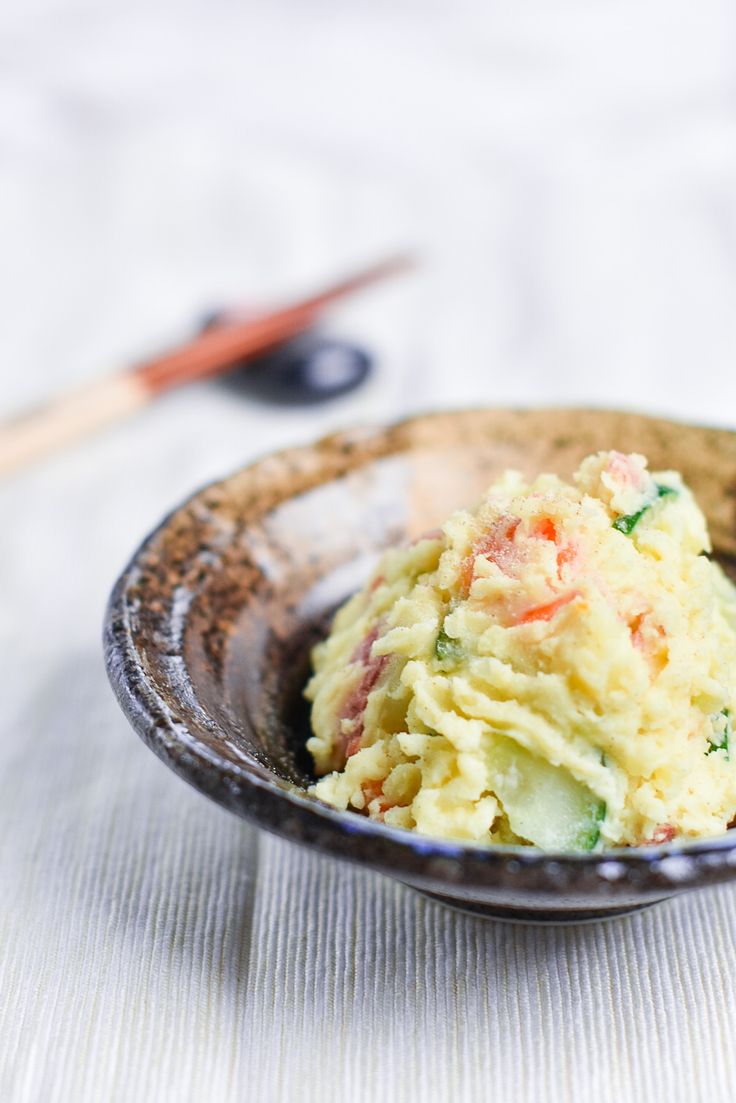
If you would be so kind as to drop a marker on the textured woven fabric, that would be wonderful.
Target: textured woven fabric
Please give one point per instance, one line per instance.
(568, 172)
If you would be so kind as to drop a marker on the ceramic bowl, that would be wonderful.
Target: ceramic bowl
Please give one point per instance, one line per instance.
(208, 632)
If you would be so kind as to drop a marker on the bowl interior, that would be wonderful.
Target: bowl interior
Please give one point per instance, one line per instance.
(228, 596)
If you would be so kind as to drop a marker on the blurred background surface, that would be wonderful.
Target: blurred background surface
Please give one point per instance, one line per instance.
(567, 174)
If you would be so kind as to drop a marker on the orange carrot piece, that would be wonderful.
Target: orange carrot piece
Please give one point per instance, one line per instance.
(547, 611)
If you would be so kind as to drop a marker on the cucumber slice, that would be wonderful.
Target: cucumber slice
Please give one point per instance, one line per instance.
(629, 521)
(722, 733)
(544, 803)
(447, 649)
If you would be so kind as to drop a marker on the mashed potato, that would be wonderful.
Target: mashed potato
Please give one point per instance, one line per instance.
(555, 667)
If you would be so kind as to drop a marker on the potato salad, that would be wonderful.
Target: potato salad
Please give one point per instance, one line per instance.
(554, 667)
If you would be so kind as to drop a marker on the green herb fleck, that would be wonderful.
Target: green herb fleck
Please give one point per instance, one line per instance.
(447, 649)
(628, 522)
(720, 742)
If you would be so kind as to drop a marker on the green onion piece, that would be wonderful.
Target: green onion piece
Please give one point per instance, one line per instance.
(447, 649)
(721, 743)
(628, 522)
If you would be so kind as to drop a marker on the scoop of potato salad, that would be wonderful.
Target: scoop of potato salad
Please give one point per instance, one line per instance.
(555, 667)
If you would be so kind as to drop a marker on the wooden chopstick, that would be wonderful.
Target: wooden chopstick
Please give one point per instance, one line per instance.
(30, 436)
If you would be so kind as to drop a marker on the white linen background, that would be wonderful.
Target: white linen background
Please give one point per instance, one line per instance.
(568, 173)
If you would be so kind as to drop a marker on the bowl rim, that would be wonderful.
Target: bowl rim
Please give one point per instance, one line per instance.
(659, 869)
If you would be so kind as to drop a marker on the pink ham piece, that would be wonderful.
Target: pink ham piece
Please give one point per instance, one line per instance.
(497, 545)
(664, 833)
(623, 470)
(354, 705)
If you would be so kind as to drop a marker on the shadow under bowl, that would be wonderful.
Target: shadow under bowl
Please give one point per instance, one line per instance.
(208, 632)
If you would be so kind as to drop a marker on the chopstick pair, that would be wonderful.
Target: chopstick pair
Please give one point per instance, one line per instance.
(28, 437)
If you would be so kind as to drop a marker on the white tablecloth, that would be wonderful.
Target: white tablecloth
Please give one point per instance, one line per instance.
(568, 173)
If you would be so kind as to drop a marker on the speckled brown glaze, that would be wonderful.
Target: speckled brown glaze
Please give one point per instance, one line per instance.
(208, 632)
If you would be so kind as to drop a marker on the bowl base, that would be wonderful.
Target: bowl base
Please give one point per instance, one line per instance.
(544, 917)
